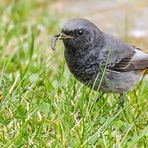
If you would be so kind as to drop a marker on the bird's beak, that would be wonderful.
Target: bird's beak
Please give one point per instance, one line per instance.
(63, 36)
(60, 36)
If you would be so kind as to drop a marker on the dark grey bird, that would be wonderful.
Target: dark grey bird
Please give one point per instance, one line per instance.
(100, 60)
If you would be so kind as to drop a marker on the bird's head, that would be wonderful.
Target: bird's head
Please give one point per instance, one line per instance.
(78, 34)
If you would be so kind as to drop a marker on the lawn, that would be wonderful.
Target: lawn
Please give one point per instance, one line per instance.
(41, 103)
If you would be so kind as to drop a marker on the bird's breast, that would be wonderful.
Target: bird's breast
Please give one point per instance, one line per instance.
(83, 68)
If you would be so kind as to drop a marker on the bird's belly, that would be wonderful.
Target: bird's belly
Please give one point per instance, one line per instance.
(117, 82)
(120, 82)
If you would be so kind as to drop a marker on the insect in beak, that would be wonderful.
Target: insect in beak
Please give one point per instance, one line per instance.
(60, 36)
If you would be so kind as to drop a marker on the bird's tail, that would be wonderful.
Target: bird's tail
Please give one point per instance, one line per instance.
(140, 61)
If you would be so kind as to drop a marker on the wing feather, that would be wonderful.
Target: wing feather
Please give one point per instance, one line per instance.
(140, 60)
(124, 57)
(120, 53)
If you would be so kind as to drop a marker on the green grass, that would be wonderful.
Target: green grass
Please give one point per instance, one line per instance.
(42, 105)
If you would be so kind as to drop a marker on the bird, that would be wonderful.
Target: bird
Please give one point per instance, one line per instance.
(100, 60)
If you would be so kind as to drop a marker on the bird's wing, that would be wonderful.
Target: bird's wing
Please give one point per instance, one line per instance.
(136, 61)
(119, 53)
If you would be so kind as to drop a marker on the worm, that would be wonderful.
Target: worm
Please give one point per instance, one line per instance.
(53, 42)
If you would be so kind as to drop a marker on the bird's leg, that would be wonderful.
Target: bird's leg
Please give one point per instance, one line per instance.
(100, 96)
(121, 101)
(95, 101)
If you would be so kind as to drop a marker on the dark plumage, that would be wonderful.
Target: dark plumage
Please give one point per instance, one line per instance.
(92, 54)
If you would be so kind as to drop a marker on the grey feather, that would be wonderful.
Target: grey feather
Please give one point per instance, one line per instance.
(140, 60)
(120, 53)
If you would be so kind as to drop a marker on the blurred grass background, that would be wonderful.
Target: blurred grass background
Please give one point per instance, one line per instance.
(42, 105)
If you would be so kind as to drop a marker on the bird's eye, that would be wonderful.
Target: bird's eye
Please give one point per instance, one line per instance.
(80, 32)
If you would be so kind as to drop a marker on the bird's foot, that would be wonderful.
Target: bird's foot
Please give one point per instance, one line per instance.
(121, 102)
